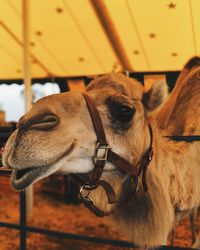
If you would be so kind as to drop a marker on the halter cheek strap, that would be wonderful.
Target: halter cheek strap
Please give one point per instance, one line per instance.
(102, 154)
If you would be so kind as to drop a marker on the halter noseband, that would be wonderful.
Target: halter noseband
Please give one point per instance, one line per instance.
(102, 154)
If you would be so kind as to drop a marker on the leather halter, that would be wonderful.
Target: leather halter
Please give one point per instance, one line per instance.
(102, 154)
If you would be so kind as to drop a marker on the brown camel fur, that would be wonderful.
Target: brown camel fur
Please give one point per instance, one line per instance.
(164, 118)
(164, 122)
(57, 135)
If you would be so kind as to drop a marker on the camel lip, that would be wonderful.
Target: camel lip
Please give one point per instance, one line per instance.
(21, 179)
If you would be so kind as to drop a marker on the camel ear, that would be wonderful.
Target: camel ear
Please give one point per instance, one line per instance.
(155, 96)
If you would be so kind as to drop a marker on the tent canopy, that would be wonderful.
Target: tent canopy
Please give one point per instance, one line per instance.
(83, 37)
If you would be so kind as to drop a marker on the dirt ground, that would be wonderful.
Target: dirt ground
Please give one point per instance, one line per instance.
(54, 214)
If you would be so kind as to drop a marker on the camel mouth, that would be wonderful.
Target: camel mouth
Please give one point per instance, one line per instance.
(21, 179)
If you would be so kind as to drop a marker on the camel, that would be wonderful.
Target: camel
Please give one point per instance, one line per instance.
(57, 135)
(164, 122)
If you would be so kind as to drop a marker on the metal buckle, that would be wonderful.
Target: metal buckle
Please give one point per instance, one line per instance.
(88, 188)
(102, 157)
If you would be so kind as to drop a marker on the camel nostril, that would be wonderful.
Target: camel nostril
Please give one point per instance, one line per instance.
(49, 119)
(40, 122)
(46, 122)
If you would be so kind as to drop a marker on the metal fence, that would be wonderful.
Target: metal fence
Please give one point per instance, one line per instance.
(23, 228)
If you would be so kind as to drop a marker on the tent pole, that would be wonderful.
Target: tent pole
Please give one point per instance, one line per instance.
(107, 24)
(27, 84)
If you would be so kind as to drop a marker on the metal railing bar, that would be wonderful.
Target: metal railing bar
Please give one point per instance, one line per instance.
(5, 171)
(80, 237)
(60, 234)
(10, 225)
(22, 220)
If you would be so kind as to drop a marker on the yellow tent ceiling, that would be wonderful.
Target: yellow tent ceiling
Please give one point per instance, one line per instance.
(69, 38)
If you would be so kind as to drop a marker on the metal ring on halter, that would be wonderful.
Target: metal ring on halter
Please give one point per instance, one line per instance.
(86, 196)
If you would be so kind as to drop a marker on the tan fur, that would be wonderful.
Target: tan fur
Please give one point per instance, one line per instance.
(173, 175)
(185, 88)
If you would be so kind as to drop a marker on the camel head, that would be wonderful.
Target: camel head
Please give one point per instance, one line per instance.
(57, 134)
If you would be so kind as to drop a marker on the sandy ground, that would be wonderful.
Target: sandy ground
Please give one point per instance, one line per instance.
(54, 214)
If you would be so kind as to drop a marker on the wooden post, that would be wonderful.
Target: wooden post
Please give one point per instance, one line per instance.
(27, 84)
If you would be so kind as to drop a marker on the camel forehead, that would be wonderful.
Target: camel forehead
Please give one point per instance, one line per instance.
(119, 83)
(101, 87)
(57, 103)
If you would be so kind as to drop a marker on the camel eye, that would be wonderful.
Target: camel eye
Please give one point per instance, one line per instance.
(123, 114)
(119, 112)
